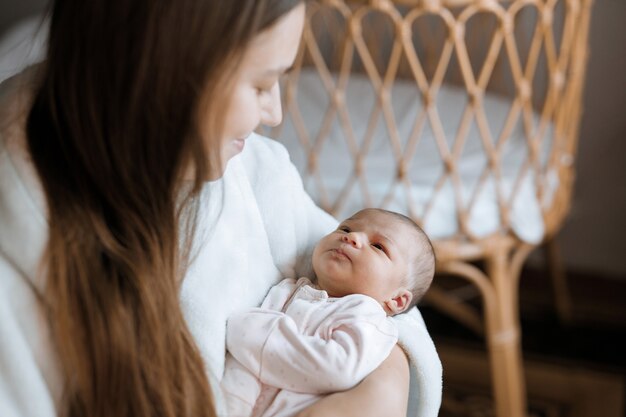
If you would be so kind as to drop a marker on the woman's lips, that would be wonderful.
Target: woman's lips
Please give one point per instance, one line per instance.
(239, 144)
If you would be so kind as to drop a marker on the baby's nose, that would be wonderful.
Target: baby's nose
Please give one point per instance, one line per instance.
(352, 239)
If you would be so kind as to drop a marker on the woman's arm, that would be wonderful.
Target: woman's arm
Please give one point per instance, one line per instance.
(385, 392)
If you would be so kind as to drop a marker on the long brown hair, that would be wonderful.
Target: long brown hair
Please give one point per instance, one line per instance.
(112, 129)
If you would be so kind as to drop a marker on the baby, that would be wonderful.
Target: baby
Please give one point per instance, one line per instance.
(306, 339)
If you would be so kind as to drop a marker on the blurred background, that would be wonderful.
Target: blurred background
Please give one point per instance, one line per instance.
(575, 368)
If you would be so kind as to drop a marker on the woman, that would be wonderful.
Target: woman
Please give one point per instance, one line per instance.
(138, 211)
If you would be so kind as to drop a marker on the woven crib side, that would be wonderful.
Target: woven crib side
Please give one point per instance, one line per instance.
(530, 51)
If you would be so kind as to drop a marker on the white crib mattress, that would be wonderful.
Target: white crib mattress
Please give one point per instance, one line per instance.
(380, 167)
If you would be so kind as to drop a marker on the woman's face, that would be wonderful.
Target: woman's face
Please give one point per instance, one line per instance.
(255, 98)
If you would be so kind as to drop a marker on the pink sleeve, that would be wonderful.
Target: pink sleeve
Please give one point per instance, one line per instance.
(355, 343)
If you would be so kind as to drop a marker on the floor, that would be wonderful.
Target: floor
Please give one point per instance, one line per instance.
(575, 369)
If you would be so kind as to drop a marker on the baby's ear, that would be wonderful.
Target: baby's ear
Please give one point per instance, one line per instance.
(399, 302)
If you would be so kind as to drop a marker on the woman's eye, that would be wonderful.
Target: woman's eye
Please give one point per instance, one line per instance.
(265, 87)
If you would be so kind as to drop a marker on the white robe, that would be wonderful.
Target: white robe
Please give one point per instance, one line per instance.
(257, 225)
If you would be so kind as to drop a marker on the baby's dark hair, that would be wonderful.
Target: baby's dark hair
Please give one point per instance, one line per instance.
(422, 266)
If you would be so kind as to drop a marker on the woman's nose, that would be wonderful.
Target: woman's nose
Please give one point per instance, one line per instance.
(352, 239)
(272, 111)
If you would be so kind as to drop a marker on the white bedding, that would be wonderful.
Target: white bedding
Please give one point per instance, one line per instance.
(336, 164)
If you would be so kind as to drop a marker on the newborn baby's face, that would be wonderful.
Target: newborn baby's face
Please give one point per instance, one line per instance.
(367, 254)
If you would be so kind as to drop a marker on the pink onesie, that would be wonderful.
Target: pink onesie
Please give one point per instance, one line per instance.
(299, 345)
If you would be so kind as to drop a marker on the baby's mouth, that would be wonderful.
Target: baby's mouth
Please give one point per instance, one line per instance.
(341, 254)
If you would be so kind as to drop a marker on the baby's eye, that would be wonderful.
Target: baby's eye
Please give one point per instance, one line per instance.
(345, 229)
(378, 246)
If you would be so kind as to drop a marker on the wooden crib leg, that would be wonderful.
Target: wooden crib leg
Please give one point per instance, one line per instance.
(558, 277)
(503, 337)
(455, 308)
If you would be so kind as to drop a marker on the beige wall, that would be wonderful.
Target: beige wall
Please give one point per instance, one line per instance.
(594, 237)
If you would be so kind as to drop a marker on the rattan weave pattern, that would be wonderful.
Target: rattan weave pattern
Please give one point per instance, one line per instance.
(531, 51)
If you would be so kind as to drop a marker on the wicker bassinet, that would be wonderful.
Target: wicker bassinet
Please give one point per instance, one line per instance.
(462, 114)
